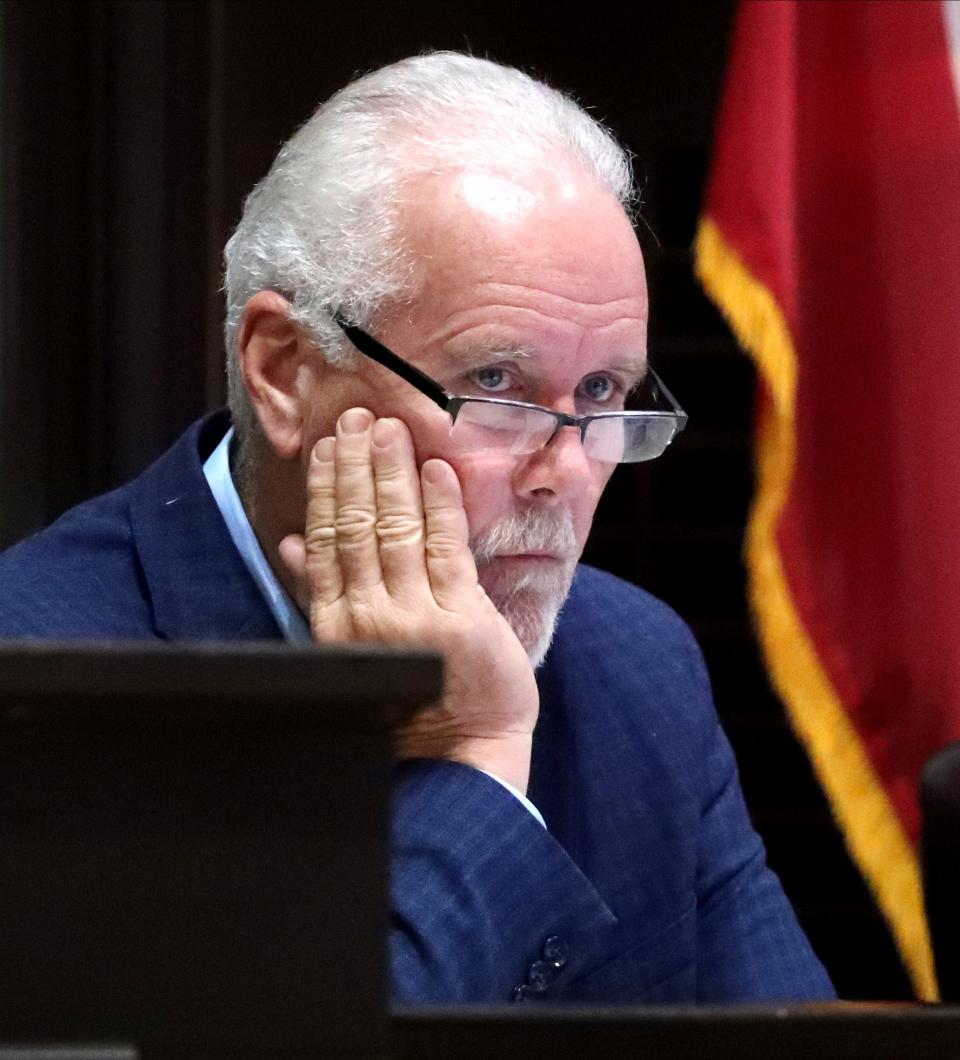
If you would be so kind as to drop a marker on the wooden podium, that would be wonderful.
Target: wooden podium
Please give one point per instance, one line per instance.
(193, 845)
(193, 864)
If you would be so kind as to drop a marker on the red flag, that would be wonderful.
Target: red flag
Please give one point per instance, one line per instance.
(831, 242)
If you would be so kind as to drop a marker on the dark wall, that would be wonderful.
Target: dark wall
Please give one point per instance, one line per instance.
(106, 283)
(130, 133)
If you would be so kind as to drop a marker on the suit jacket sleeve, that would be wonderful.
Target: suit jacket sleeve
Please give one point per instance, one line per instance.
(638, 785)
(651, 880)
(485, 900)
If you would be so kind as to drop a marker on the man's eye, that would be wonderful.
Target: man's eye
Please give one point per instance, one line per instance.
(491, 378)
(599, 388)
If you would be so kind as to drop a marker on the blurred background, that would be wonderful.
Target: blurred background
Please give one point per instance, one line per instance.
(129, 135)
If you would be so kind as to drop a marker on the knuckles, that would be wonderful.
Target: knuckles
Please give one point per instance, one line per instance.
(353, 521)
(399, 528)
(443, 544)
(319, 538)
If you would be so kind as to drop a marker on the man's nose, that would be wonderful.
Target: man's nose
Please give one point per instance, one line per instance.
(558, 470)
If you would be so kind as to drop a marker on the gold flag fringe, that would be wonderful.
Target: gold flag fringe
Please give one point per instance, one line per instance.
(872, 830)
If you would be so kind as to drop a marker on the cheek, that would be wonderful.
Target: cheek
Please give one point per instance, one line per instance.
(583, 505)
(485, 479)
(428, 426)
(337, 392)
(488, 492)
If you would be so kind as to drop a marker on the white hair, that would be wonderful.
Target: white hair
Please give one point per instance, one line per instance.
(322, 226)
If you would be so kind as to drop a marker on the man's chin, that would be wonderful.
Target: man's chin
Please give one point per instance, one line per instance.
(530, 603)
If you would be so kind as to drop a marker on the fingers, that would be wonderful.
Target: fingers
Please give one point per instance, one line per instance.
(374, 524)
(399, 510)
(450, 566)
(293, 553)
(355, 517)
(321, 564)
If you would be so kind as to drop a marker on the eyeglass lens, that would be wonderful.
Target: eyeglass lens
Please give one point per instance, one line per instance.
(481, 426)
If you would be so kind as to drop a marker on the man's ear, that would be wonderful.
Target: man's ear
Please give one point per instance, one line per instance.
(279, 367)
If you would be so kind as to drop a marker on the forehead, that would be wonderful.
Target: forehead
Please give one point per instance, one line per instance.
(552, 261)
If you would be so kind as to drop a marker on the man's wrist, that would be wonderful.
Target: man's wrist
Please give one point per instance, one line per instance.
(518, 795)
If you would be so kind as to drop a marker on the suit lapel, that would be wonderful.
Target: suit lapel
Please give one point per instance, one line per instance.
(198, 584)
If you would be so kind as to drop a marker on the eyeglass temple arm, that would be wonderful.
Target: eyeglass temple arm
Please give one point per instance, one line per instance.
(662, 386)
(369, 346)
(376, 351)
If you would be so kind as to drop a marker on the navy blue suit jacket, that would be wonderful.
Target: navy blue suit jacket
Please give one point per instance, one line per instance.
(649, 884)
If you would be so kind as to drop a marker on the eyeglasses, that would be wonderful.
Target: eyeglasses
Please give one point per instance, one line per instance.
(486, 424)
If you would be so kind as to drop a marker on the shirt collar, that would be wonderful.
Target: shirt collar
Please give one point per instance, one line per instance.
(216, 469)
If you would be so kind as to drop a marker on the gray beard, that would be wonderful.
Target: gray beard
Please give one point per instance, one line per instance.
(531, 603)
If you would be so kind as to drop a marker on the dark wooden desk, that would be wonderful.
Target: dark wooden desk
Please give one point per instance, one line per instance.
(789, 1032)
(193, 845)
(794, 1032)
(179, 826)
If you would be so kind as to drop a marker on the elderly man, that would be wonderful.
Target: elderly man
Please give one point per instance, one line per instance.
(436, 332)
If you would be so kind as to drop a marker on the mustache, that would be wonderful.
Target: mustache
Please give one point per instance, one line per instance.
(530, 530)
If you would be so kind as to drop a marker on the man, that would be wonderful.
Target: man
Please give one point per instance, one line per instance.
(443, 240)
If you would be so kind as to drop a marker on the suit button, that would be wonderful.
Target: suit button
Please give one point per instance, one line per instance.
(522, 993)
(539, 975)
(556, 951)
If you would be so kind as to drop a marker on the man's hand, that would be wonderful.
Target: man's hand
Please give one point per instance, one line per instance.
(385, 558)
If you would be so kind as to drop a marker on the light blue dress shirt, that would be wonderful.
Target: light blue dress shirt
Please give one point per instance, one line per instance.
(289, 618)
(217, 471)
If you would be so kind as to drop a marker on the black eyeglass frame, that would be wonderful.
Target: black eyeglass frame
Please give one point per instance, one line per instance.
(452, 404)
